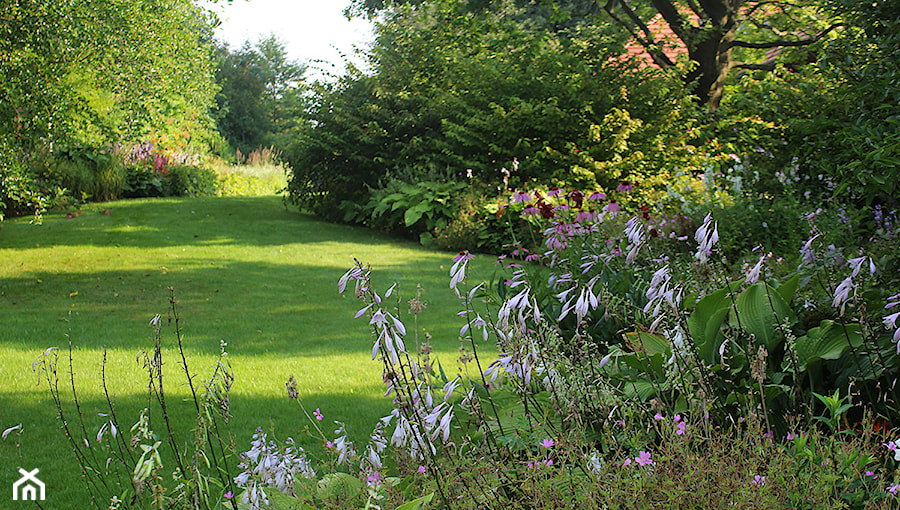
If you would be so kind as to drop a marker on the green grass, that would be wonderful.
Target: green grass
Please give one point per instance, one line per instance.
(245, 271)
(251, 180)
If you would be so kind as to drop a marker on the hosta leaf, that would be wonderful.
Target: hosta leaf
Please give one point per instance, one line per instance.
(760, 308)
(705, 324)
(414, 214)
(828, 341)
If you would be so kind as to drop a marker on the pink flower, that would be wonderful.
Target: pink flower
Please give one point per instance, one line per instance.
(893, 489)
(318, 414)
(547, 443)
(612, 207)
(597, 196)
(758, 480)
(643, 458)
(657, 417)
(625, 187)
(229, 495)
(374, 479)
(680, 428)
(422, 469)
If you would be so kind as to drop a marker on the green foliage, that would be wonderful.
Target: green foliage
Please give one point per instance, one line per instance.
(511, 101)
(830, 127)
(409, 208)
(100, 70)
(23, 189)
(259, 86)
(192, 181)
(89, 173)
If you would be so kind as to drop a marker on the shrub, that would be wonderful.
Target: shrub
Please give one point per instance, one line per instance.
(191, 181)
(24, 189)
(407, 208)
(152, 172)
(89, 173)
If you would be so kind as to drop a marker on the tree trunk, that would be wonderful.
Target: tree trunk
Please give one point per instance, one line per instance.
(713, 58)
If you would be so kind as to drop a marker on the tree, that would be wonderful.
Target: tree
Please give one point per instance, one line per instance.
(483, 91)
(105, 70)
(258, 85)
(709, 30)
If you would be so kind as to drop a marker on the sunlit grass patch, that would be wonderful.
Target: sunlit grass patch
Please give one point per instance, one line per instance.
(245, 271)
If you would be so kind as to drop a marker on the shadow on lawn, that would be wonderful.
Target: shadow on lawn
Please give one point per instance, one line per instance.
(43, 445)
(154, 223)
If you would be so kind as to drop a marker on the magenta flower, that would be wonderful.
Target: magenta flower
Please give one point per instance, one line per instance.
(657, 417)
(612, 207)
(758, 480)
(680, 428)
(625, 187)
(597, 196)
(643, 458)
(229, 495)
(554, 191)
(422, 469)
(893, 489)
(374, 480)
(318, 414)
(547, 443)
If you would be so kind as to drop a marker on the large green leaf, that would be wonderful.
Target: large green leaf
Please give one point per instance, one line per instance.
(828, 341)
(414, 214)
(651, 343)
(705, 324)
(760, 309)
(417, 504)
(788, 288)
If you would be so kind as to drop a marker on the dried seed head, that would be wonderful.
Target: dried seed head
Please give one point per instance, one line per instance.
(416, 306)
(292, 388)
(758, 365)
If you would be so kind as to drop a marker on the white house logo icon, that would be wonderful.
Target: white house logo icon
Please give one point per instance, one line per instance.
(29, 485)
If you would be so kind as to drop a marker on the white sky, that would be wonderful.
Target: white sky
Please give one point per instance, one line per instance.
(311, 29)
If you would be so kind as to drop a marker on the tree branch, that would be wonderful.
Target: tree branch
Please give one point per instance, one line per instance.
(765, 66)
(647, 41)
(785, 44)
(673, 18)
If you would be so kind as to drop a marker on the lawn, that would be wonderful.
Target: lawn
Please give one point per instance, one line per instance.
(245, 271)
